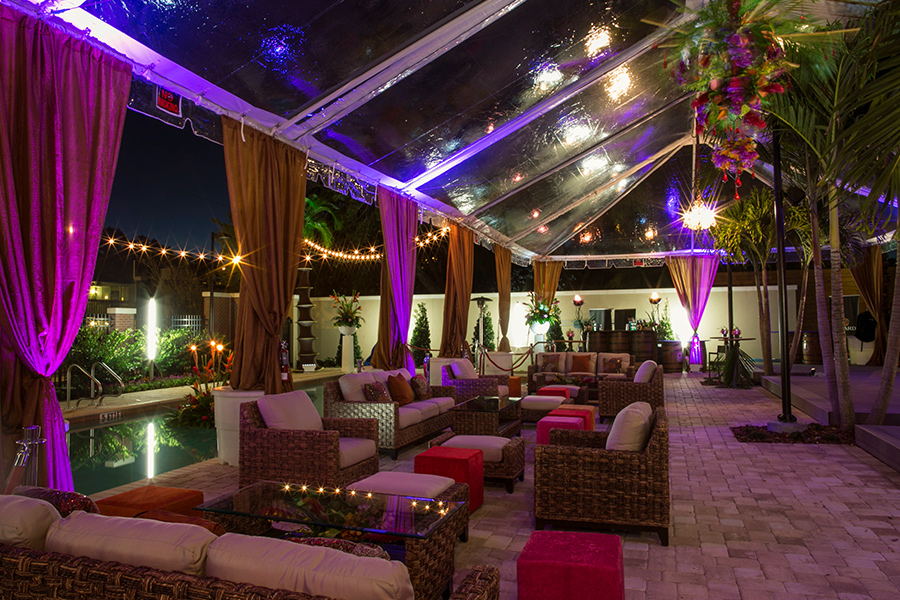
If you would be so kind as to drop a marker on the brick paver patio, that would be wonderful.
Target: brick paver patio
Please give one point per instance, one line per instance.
(750, 521)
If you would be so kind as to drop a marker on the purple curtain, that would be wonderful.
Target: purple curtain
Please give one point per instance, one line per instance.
(398, 276)
(62, 107)
(693, 278)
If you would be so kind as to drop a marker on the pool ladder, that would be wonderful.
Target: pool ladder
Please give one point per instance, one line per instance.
(95, 385)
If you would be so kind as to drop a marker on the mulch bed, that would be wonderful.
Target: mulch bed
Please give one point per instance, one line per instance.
(814, 434)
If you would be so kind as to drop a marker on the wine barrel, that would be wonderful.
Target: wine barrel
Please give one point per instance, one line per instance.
(598, 341)
(643, 345)
(811, 352)
(671, 356)
(620, 342)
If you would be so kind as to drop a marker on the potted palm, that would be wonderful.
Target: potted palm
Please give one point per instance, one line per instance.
(348, 318)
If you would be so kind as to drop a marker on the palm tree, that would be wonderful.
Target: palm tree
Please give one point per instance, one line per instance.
(838, 110)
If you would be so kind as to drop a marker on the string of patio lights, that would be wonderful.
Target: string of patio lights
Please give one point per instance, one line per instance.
(318, 251)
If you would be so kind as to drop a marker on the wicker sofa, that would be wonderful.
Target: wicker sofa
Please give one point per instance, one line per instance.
(391, 436)
(469, 384)
(578, 482)
(537, 377)
(615, 394)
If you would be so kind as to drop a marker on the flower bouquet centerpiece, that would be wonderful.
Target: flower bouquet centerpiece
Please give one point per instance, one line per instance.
(348, 317)
(539, 313)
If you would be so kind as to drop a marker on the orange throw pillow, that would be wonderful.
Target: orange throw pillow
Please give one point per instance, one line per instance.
(400, 390)
(581, 363)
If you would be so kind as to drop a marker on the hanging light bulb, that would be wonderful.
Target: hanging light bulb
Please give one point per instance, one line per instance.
(700, 216)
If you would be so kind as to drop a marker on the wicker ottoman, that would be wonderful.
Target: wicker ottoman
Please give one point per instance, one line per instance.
(547, 423)
(504, 459)
(463, 465)
(587, 424)
(150, 497)
(532, 408)
(588, 408)
(565, 565)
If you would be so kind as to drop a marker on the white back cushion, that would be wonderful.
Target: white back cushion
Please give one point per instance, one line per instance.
(24, 521)
(353, 384)
(464, 369)
(291, 410)
(382, 376)
(631, 428)
(498, 363)
(138, 542)
(645, 372)
(308, 569)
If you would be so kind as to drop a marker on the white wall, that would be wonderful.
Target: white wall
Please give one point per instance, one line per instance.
(714, 318)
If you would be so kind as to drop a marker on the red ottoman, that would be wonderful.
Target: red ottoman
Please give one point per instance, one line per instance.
(587, 424)
(552, 390)
(150, 497)
(569, 565)
(547, 423)
(463, 465)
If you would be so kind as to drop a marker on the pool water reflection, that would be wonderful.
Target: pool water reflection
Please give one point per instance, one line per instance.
(112, 455)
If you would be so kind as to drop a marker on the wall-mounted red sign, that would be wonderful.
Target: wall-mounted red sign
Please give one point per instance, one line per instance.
(167, 101)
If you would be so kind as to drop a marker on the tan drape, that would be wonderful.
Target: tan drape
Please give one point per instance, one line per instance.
(458, 290)
(869, 278)
(267, 186)
(546, 278)
(503, 264)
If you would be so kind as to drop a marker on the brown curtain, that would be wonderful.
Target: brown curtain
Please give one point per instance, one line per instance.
(869, 278)
(458, 290)
(503, 264)
(62, 109)
(267, 186)
(546, 278)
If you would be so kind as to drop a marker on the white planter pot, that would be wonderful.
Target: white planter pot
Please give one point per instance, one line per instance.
(347, 329)
(228, 415)
(540, 328)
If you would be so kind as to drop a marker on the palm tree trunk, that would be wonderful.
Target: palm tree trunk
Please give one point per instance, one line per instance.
(838, 332)
(801, 313)
(821, 301)
(892, 354)
(765, 324)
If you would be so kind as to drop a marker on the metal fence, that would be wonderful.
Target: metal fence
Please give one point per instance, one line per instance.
(192, 322)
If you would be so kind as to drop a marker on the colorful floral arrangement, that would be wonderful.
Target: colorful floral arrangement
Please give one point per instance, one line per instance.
(348, 310)
(538, 310)
(199, 408)
(730, 55)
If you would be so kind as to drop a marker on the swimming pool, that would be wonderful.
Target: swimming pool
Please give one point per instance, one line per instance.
(111, 455)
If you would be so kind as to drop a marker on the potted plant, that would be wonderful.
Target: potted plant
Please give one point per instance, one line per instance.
(348, 318)
(539, 313)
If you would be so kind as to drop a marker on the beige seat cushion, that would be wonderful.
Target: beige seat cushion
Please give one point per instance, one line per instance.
(291, 410)
(408, 415)
(463, 369)
(645, 372)
(419, 485)
(139, 542)
(353, 386)
(491, 445)
(428, 409)
(311, 570)
(356, 450)
(24, 521)
(443, 403)
(631, 428)
(540, 402)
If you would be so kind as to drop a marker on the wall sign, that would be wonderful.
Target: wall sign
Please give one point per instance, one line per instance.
(167, 101)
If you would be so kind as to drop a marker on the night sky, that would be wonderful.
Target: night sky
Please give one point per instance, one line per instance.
(169, 184)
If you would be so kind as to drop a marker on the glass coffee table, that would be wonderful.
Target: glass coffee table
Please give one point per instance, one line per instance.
(414, 530)
(486, 415)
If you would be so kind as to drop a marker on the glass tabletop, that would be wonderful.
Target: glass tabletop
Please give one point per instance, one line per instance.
(484, 404)
(329, 508)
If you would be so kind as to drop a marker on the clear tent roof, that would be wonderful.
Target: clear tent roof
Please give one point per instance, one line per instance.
(543, 125)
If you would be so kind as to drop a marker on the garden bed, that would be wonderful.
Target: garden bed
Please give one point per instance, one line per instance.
(814, 434)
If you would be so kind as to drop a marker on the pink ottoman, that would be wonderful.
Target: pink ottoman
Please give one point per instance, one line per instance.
(551, 390)
(587, 424)
(462, 465)
(570, 565)
(547, 423)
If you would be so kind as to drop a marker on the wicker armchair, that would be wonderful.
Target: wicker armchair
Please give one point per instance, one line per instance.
(298, 455)
(466, 389)
(577, 481)
(391, 438)
(615, 394)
